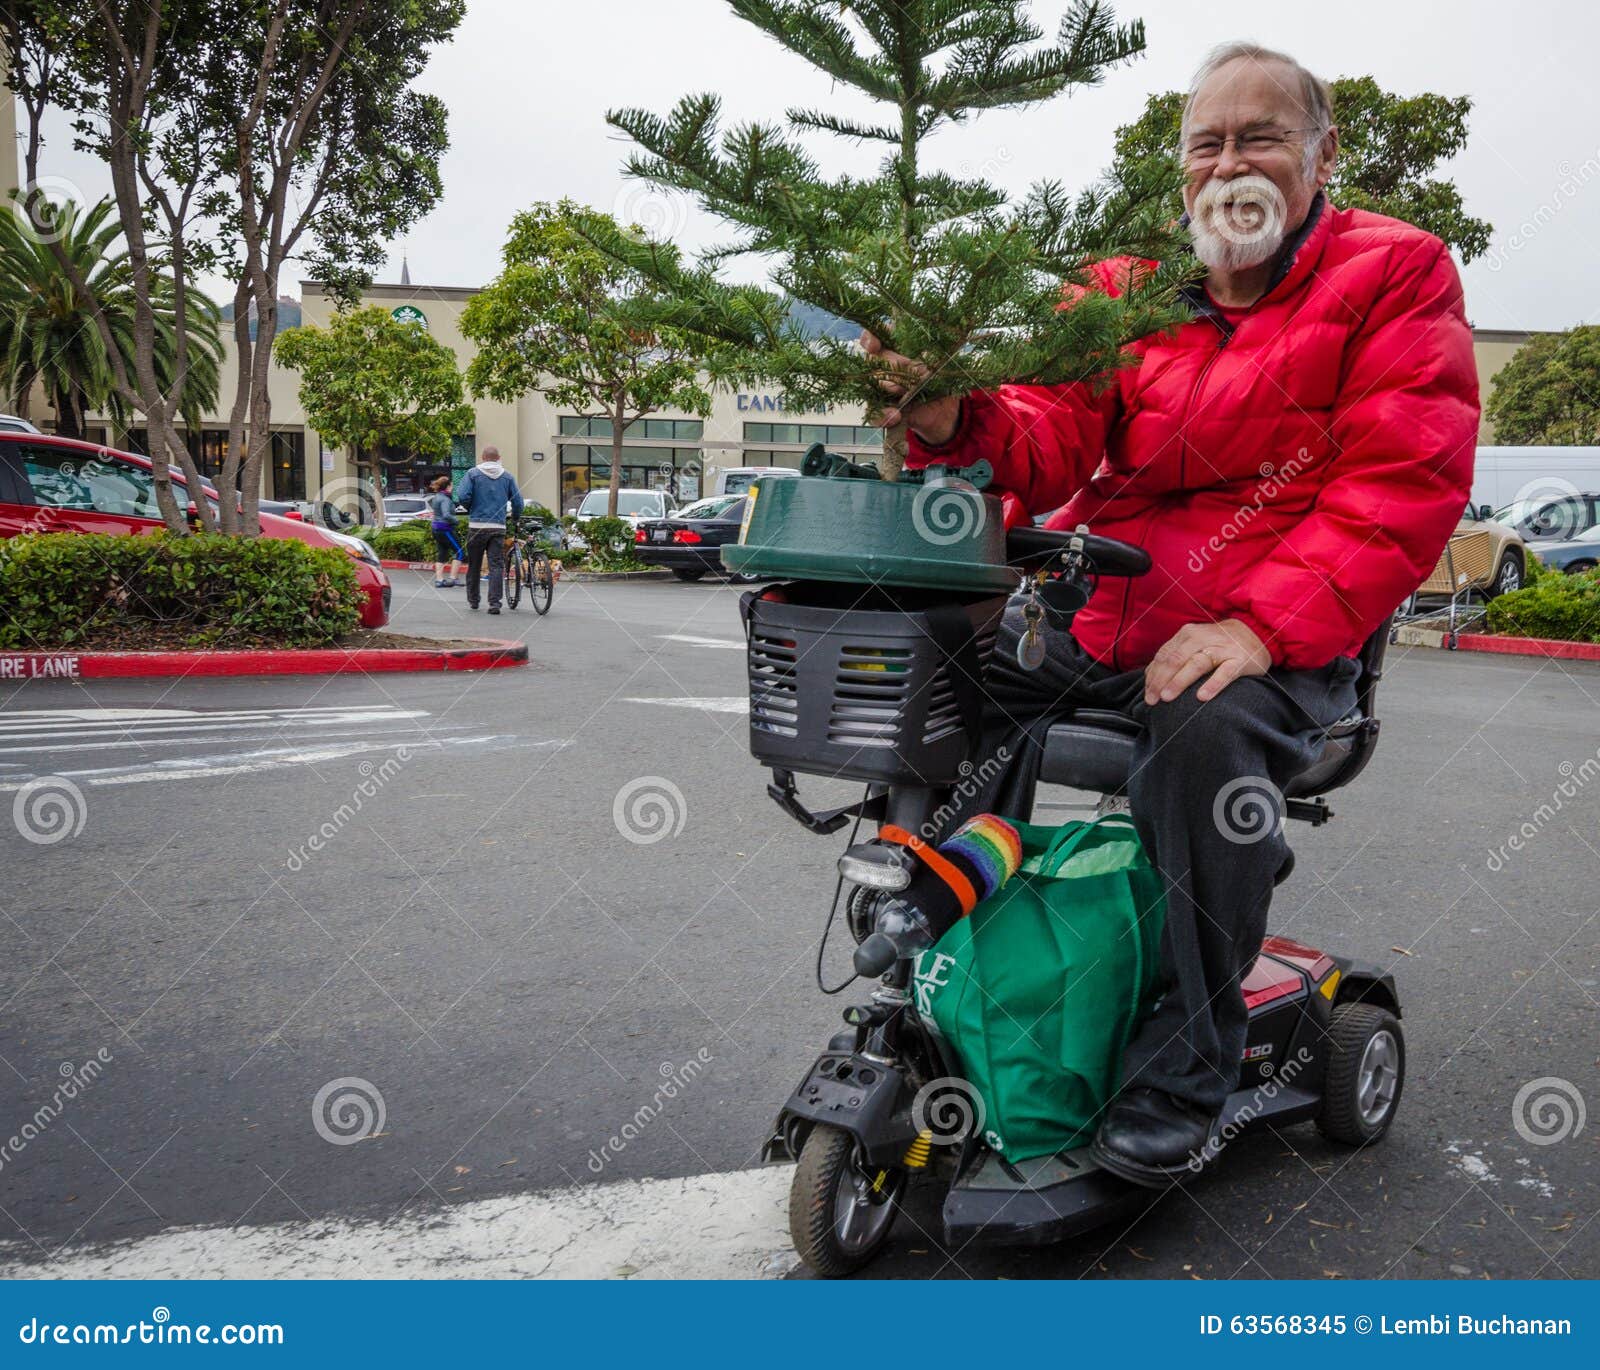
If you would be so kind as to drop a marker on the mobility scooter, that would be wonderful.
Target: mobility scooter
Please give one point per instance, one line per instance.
(865, 667)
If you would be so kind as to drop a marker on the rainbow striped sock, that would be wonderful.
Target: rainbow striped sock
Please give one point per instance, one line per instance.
(989, 851)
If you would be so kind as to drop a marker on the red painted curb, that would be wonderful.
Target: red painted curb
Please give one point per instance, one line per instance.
(493, 654)
(1528, 646)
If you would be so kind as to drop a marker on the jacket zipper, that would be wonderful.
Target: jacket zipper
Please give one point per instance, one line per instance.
(1183, 453)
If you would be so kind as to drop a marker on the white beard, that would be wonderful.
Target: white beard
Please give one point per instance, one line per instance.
(1256, 231)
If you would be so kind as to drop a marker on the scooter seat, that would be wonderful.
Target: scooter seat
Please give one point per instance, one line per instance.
(1093, 750)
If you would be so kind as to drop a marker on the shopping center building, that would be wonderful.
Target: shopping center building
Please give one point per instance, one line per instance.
(558, 454)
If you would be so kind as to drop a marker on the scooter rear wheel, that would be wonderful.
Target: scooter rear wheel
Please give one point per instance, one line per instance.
(1366, 1074)
(840, 1212)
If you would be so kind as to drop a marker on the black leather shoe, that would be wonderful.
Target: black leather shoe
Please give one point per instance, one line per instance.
(494, 608)
(1149, 1138)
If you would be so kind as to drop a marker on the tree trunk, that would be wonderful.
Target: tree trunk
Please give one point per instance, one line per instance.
(69, 422)
(617, 416)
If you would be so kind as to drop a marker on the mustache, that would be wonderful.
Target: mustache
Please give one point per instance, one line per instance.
(1260, 207)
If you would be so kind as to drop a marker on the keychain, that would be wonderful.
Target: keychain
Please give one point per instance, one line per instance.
(1030, 648)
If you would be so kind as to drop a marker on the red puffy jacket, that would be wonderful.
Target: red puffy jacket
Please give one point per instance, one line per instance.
(1300, 471)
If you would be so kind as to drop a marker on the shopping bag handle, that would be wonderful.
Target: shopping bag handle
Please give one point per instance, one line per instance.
(1073, 836)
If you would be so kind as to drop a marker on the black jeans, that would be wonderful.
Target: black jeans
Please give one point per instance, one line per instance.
(1205, 794)
(492, 540)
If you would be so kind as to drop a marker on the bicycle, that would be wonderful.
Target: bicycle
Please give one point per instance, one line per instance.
(527, 563)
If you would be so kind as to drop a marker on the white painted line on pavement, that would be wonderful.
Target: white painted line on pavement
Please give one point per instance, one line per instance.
(704, 1227)
(183, 727)
(716, 704)
(729, 643)
(206, 767)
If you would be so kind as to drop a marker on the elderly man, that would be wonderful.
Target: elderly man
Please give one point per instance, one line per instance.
(1294, 459)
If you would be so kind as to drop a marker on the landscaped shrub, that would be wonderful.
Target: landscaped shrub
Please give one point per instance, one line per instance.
(60, 590)
(409, 542)
(1564, 608)
(605, 536)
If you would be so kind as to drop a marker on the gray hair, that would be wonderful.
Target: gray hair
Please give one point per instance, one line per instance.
(1316, 100)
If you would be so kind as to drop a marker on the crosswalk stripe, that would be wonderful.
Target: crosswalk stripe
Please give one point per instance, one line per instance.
(727, 1226)
(716, 704)
(26, 717)
(734, 644)
(177, 727)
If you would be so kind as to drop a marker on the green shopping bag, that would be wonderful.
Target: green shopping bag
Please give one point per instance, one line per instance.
(1037, 991)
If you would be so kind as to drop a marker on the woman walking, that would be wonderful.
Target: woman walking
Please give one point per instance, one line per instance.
(449, 564)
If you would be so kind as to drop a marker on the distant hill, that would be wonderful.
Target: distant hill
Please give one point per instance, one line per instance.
(817, 322)
(288, 314)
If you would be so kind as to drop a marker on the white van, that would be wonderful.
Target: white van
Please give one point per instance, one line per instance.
(735, 480)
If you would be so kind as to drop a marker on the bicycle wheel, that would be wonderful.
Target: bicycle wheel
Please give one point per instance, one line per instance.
(541, 580)
(513, 577)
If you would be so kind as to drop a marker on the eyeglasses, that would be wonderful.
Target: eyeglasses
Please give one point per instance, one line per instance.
(1256, 143)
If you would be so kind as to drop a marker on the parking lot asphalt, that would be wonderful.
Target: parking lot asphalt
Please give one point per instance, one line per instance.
(423, 885)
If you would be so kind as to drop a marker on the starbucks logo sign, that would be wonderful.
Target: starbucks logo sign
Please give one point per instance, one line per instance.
(409, 313)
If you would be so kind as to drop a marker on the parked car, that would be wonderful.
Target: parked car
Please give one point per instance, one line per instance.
(690, 542)
(399, 510)
(1552, 518)
(1572, 555)
(735, 480)
(632, 505)
(10, 423)
(56, 485)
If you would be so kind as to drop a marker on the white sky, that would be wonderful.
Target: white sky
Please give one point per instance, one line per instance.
(528, 83)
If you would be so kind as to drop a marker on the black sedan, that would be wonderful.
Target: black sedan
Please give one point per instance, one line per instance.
(689, 542)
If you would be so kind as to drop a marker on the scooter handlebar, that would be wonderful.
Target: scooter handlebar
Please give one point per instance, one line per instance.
(1035, 548)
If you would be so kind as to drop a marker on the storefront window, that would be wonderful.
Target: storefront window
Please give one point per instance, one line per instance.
(585, 467)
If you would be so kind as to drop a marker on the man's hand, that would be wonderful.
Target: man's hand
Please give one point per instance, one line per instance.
(934, 421)
(1220, 652)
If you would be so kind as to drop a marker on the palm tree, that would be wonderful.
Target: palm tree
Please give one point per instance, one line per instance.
(47, 330)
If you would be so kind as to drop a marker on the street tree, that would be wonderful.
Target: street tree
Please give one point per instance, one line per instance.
(561, 318)
(941, 267)
(239, 134)
(1390, 150)
(1549, 392)
(375, 384)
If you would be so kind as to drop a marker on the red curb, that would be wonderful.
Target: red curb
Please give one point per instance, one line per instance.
(1528, 646)
(493, 654)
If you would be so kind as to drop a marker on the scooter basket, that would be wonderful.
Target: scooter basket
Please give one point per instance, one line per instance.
(865, 685)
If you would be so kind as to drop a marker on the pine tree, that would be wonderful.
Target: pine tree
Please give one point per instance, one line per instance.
(939, 266)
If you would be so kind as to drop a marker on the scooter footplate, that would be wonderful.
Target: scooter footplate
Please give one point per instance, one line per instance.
(1037, 1202)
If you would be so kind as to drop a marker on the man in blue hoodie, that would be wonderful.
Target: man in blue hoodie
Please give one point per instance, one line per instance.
(486, 490)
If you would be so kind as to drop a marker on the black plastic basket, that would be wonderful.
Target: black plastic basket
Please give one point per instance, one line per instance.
(865, 686)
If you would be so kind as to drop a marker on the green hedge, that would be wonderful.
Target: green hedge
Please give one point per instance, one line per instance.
(600, 533)
(1562, 608)
(62, 590)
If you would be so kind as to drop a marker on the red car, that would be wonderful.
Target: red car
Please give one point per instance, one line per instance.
(56, 485)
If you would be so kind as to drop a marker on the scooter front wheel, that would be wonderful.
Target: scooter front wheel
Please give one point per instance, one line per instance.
(840, 1211)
